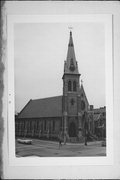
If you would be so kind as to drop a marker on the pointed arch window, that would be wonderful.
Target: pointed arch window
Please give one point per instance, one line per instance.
(45, 125)
(53, 125)
(74, 86)
(69, 85)
(72, 66)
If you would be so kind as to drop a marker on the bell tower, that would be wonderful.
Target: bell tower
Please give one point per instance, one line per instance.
(71, 95)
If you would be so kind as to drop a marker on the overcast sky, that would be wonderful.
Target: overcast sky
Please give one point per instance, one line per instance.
(40, 51)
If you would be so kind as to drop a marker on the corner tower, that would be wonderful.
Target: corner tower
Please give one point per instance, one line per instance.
(71, 96)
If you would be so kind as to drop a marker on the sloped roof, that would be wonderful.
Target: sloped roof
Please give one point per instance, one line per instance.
(82, 91)
(97, 117)
(47, 107)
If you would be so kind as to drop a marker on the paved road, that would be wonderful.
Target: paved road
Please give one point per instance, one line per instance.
(51, 149)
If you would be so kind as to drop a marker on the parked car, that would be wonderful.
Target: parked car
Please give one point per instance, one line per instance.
(24, 141)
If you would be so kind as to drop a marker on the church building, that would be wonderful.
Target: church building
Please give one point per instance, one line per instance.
(66, 114)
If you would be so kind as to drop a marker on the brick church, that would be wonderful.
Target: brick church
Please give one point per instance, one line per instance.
(66, 114)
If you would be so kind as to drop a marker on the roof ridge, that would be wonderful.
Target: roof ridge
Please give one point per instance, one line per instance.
(24, 107)
(47, 97)
(46, 107)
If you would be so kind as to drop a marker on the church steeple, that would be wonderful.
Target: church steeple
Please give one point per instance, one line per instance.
(70, 40)
(72, 105)
(70, 65)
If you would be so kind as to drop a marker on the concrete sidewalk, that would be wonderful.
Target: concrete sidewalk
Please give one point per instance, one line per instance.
(43, 148)
(68, 143)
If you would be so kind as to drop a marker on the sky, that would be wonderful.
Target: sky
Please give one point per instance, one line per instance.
(40, 50)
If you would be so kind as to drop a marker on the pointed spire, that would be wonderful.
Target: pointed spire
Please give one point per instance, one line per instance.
(71, 63)
(70, 40)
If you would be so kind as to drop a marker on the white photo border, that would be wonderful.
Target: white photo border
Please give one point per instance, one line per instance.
(59, 161)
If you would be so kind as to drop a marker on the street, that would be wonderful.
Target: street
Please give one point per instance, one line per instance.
(43, 148)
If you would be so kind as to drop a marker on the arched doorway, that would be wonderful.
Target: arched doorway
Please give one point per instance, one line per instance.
(72, 130)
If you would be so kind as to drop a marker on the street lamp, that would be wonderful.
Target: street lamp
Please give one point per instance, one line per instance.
(85, 127)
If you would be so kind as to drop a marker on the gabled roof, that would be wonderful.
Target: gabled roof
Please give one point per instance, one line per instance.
(47, 107)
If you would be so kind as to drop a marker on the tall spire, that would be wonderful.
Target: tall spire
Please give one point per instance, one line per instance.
(70, 40)
(71, 63)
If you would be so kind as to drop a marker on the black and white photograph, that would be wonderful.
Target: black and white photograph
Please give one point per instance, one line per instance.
(60, 90)
(60, 107)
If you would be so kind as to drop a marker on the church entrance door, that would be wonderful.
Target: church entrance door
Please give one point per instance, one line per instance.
(72, 130)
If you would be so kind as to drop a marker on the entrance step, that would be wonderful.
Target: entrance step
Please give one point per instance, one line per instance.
(81, 139)
(76, 139)
(73, 139)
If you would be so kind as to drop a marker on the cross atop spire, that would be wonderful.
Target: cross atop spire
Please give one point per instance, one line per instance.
(70, 27)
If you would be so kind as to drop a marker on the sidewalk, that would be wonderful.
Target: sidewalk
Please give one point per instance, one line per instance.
(68, 143)
(44, 148)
